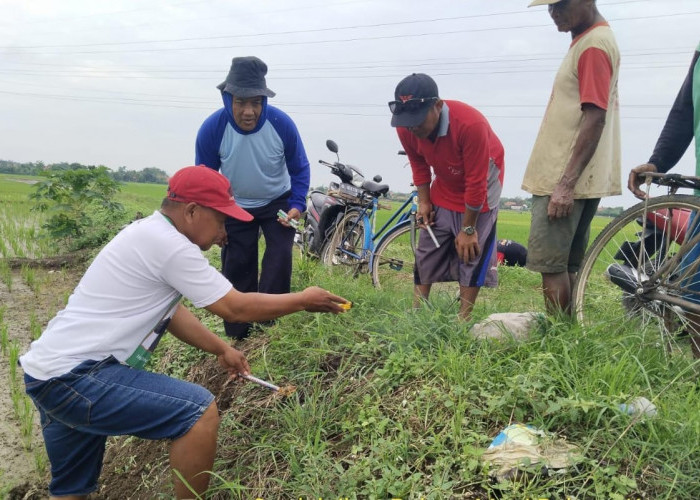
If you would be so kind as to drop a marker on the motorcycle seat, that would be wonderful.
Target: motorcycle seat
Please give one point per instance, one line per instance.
(375, 189)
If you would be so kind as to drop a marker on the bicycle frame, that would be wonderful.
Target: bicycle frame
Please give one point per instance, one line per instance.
(368, 219)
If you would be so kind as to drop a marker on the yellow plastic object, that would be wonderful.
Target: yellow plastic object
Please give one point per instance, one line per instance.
(346, 306)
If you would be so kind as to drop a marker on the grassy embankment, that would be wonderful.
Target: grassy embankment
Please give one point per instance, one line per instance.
(399, 403)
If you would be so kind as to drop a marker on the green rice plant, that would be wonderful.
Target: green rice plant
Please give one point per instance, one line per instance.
(16, 395)
(34, 326)
(41, 461)
(27, 421)
(14, 356)
(6, 274)
(29, 276)
(4, 340)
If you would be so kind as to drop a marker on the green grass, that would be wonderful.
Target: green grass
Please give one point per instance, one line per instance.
(393, 403)
(396, 403)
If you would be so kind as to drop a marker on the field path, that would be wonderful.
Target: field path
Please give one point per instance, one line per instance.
(17, 465)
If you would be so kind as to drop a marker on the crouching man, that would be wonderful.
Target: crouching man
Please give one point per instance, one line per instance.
(85, 373)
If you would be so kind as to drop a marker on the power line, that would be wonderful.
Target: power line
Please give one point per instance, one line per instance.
(177, 104)
(342, 40)
(132, 76)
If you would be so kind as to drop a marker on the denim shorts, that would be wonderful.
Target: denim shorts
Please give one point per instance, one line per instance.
(97, 399)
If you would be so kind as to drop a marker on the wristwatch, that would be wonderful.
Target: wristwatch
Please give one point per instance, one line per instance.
(468, 230)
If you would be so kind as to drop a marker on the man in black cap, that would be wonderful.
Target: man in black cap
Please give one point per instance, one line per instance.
(456, 142)
(258, 148)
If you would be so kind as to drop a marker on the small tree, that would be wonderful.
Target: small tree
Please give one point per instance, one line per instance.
(80, 205)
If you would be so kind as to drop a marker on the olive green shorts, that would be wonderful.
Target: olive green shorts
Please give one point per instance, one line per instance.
(558, 245)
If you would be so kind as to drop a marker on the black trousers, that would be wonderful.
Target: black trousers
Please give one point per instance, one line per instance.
(239, 258)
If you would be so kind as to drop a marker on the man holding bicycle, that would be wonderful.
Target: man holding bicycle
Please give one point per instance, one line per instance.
(576, 158)
(461, 204)
(682, 124)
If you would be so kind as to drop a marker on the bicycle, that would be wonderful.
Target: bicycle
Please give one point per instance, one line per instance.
(387, 254)
(642, 266)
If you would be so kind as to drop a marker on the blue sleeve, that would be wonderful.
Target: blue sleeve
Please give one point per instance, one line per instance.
(677, 133)
(209, 140)
(295, 157)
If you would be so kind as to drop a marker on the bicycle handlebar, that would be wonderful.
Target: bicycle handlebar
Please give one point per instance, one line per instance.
(672, 180)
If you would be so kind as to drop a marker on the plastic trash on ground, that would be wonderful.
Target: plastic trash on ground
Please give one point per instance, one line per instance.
(639, 406)
(521, 446)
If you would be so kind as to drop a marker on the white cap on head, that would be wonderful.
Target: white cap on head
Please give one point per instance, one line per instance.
(543, 2)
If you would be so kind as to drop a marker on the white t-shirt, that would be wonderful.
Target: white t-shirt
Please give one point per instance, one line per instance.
(128, 289)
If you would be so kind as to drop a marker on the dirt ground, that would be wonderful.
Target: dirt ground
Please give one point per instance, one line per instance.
(18, 472)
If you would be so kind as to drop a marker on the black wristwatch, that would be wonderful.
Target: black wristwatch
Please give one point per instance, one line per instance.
(468, 230)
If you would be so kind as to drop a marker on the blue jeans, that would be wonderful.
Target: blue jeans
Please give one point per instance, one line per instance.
(97, 399)
(692, 283)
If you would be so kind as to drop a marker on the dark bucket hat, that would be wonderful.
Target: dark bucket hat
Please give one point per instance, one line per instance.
(246, 78)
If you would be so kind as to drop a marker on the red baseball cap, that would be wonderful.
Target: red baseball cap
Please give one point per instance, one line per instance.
(207, 187)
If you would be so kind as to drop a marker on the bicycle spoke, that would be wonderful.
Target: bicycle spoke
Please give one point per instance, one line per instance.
(645, 277)
(344, 250)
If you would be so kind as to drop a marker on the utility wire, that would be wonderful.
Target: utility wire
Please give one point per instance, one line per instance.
(343, 40)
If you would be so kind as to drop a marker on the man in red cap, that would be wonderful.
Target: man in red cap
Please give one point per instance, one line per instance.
(85, 373)
(457, 162)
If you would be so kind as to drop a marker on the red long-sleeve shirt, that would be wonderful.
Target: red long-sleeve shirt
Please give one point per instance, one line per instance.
(466, 157)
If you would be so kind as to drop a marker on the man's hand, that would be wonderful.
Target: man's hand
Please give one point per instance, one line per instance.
(634, 181)
(425, 215)
(467, 246)
(319, 300)
(293, 214)
(234, 362)
(561, 203)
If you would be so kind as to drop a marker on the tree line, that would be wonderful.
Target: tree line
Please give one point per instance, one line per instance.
(149, 175)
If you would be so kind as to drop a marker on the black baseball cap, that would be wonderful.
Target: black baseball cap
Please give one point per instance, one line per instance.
(414, 96)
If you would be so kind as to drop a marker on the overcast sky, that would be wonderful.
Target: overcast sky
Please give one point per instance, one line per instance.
(128, 83)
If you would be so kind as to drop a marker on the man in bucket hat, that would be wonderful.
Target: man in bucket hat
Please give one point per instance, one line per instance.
(461, 204)
(85, 373)
(576, 157)
(258, 148)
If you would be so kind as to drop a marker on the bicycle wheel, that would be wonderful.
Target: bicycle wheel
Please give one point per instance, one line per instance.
(394, 262)
(343, 249)
(635, 270)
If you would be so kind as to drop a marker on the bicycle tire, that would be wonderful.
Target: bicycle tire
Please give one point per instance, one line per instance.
(352, 237)
(606, 291)
(394, 262)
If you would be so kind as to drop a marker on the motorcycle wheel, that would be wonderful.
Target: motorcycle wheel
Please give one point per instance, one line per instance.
(648, 289)
(344, 249)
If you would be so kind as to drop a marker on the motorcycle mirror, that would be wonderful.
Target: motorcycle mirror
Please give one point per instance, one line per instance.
(332, 146)
(377, 179)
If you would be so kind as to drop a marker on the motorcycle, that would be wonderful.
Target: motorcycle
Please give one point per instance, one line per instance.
(324, 210)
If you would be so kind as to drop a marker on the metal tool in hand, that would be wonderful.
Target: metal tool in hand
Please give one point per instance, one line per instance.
(430, 232)
(261, 382)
